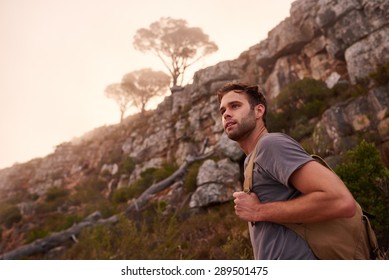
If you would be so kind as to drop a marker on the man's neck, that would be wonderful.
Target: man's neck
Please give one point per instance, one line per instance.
(249, 144)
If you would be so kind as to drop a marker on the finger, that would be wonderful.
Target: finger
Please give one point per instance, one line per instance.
(237, 194)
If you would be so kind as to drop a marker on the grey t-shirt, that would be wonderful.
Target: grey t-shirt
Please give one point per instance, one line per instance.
(278, 156)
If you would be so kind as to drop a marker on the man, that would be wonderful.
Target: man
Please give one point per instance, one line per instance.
(288, 185)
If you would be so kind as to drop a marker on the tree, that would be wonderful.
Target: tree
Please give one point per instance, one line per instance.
(145, 84)
(176, 44)
(121, 96)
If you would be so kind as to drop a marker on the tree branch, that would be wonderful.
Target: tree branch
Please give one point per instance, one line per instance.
(54, 240)
(58, 238)
(137, 203)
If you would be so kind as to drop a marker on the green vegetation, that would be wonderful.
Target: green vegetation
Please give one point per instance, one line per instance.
(9, 214)
(127, 165)
(147, 178)
(297, 103)
(88, 198)
(368, 179)
(214, 234)
(55, 199)
(56, 193)
(36, 233)
(54, 222)
(122, 195)
(300, 105)
(190, 182)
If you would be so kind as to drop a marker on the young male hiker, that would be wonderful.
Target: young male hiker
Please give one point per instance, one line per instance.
(288, 186)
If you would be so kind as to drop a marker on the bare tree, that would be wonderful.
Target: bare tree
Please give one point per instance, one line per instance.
(145, 84)
(121, 96)
(176, 44)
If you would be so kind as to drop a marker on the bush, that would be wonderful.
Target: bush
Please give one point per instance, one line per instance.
(301, 129)
(124, 240)
(214, 234)
(127, 165)
(297, 103)
(35, 234)
(9, 214)
(238, 248)
(55, 198)
(305, 96)
(366, 176)
(55, 193)
(90, 199)
(190, 181)
(122, 195)
(304, 100)
(147, 178)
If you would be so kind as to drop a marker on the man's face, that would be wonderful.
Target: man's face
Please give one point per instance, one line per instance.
(237, 117)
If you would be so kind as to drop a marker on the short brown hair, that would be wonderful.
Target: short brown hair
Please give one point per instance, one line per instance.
(255, 94)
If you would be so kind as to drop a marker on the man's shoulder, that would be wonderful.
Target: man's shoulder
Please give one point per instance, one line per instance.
(276, 142)
(275, 138)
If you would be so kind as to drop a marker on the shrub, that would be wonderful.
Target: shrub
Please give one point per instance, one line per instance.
(307, 99)
(301, 130)
(90, 199)
(122, 195)
(165, 171)
(238, 248)
(124, 240)
(9, 214)
(54, 199)
(214, 234)
(303, 95)
(190, 181)
(127, 165)
(35, 234)
(147, 178)
(84, 194)
(55, 193)
(298, 102)
(365, 175)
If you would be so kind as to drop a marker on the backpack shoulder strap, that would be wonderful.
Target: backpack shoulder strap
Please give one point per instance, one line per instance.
(248, 175)
(320, 160)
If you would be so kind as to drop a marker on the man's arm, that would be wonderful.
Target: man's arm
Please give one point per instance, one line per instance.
(324, 196)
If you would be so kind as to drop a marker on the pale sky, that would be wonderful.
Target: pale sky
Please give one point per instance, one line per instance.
(57, 57)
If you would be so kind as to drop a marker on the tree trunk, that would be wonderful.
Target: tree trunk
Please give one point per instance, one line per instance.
(137, 203)
(56, 239)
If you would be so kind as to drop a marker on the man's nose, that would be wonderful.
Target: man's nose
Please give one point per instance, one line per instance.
(226, 114)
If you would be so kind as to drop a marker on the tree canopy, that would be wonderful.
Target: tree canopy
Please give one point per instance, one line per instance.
(137, 88)
(122, 97)
(176, 44)
(145, 84)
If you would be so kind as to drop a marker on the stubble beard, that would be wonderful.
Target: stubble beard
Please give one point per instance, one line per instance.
(243, 128)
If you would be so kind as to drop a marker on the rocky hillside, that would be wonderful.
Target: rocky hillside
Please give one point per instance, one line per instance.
(332, 41)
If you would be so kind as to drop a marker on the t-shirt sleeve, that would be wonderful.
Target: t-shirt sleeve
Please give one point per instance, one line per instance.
(279, 155)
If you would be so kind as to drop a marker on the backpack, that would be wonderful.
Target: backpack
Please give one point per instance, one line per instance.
(336, 239)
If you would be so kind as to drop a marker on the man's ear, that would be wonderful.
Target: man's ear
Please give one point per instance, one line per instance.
(259, 111)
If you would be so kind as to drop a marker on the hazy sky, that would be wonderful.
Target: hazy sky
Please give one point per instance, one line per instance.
(57, 57)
